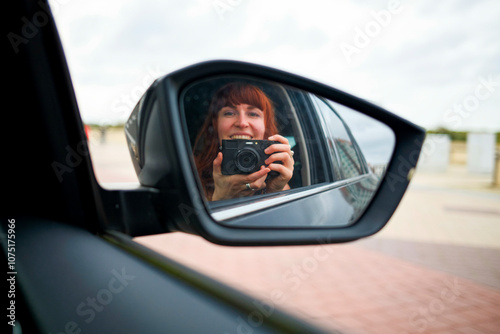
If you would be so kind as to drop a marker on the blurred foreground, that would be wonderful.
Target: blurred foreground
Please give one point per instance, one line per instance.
(435, 267)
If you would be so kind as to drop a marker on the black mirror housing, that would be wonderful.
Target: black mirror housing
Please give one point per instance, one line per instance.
(158, 144)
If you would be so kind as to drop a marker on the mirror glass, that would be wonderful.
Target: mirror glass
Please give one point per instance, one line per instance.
(257, 144)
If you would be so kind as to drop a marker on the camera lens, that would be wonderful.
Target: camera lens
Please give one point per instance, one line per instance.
(246, 160)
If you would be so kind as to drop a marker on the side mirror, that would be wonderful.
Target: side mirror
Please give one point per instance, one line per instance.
(243, 154)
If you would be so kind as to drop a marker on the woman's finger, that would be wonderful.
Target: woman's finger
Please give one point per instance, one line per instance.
(284, 171)
(277, 148)
(217, 164)
(258, 185)
(257, 175)
(279, 138)
(284, 157)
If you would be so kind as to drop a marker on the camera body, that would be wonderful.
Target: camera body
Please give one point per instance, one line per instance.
(244, 156)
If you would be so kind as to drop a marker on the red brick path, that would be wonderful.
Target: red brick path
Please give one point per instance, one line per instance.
(344, 287)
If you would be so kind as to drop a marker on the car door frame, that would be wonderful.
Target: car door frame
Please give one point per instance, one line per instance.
(60, 209)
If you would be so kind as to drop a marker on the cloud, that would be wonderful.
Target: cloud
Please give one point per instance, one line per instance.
(427, 58)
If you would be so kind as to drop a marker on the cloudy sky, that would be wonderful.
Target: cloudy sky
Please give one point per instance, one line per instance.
(436, 63)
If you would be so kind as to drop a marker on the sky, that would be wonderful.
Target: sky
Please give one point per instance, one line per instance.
(435, 63)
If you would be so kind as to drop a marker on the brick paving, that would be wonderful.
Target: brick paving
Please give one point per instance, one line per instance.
(435, 268)
(344, 287)
(479, 264)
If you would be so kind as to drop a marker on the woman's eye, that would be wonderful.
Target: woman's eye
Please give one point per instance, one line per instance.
(254, 114)
(228, 113)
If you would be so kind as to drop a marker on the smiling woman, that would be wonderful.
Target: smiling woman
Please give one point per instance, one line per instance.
(240, 111)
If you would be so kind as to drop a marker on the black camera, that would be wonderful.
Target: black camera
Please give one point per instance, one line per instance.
(242, 156)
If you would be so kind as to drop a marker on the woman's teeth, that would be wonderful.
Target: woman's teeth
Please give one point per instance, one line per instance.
(240, 137)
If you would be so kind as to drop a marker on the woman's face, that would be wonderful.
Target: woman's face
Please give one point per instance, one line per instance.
(242, 121)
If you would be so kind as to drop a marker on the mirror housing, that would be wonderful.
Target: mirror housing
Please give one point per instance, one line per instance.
(159, 147)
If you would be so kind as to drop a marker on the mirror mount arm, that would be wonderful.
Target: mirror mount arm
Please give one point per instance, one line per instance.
(134, 212)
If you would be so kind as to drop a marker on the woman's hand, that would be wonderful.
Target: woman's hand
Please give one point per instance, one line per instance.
(279, 152)
(233, 186)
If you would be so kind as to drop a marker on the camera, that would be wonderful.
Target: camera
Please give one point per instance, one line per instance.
(244, 156)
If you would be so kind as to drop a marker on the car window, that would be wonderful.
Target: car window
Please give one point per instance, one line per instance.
(320, 168)
(341, 145)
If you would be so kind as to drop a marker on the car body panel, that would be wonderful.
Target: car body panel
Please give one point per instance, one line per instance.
(73, 279)
(63, 255)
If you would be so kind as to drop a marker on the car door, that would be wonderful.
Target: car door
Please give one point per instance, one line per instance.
(68, 274)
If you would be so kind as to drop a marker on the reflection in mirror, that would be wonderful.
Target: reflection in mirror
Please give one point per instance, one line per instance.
(258, 143)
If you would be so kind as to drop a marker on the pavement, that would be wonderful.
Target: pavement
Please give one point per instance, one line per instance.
(435, 267)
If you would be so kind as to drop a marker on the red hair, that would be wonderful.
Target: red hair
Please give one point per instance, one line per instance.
(206, 145)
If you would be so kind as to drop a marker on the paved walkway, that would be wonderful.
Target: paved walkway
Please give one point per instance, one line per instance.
(345, 287)
(435, 268)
